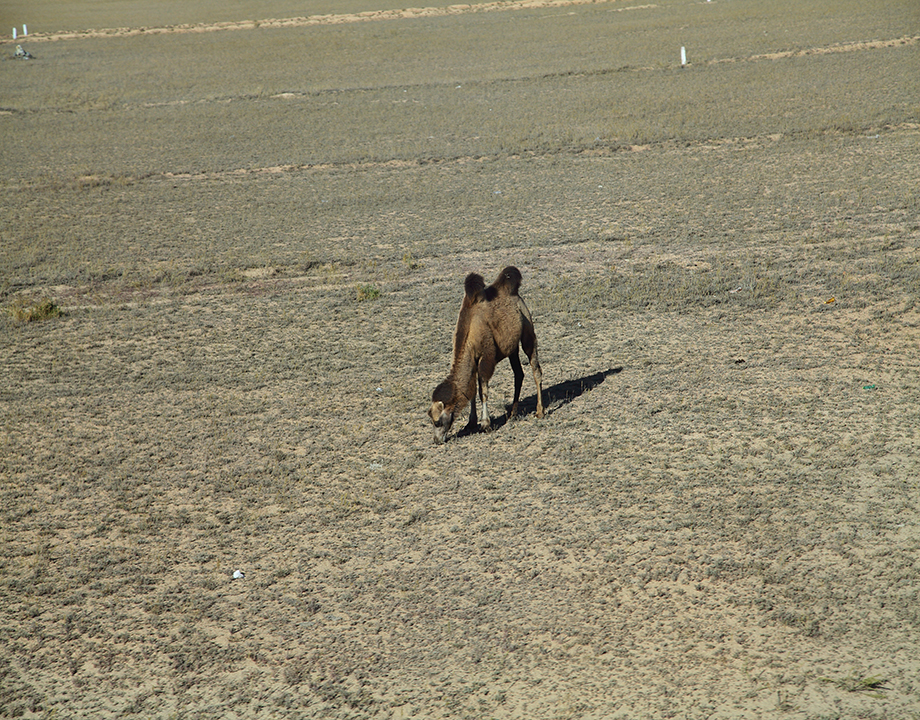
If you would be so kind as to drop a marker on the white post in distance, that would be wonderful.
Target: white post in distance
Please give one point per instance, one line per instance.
(683, 56)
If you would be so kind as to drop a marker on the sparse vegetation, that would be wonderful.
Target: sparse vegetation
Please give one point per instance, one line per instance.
(411, 262)
(857, 683)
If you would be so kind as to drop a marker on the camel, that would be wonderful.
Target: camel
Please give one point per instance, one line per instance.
(493, 321)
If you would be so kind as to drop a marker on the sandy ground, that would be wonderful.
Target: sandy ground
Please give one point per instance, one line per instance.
(259, 277)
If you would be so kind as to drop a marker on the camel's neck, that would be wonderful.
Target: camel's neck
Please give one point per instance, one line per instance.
(463, 377)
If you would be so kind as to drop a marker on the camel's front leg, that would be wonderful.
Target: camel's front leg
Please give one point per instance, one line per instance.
(484, 370)
(472, 422)
(484, 395)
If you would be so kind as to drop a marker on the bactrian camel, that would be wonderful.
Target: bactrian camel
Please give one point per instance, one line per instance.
(493, 322)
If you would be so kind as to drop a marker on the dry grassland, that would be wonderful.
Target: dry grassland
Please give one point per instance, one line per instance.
(232, 248)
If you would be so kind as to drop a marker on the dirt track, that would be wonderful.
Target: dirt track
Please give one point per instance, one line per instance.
(328, 19)
(259, 251)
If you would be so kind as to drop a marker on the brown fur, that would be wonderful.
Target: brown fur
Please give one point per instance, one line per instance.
(493, 322)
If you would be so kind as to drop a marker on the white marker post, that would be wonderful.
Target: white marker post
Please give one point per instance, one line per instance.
(25, 30)
(683, 56)
(14, 33)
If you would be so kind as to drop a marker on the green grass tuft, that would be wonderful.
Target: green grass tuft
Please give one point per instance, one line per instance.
(366, 292)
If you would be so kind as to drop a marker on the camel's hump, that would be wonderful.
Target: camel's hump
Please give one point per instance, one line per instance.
(509, 280)
(474, 284)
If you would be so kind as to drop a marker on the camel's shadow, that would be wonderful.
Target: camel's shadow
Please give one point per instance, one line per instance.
(554, 397)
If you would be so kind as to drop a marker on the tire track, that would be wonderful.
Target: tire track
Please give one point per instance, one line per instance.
(855, 46)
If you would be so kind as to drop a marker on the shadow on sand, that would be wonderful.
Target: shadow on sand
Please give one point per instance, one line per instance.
(555, 397)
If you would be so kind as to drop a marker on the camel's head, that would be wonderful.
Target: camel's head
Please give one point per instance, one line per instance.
(442, 419)
(442, 411)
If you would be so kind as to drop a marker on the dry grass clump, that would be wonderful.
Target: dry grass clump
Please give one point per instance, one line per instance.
(25, 311)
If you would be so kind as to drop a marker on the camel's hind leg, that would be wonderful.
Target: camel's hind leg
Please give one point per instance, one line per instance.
(515, 361)
(529, 343)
